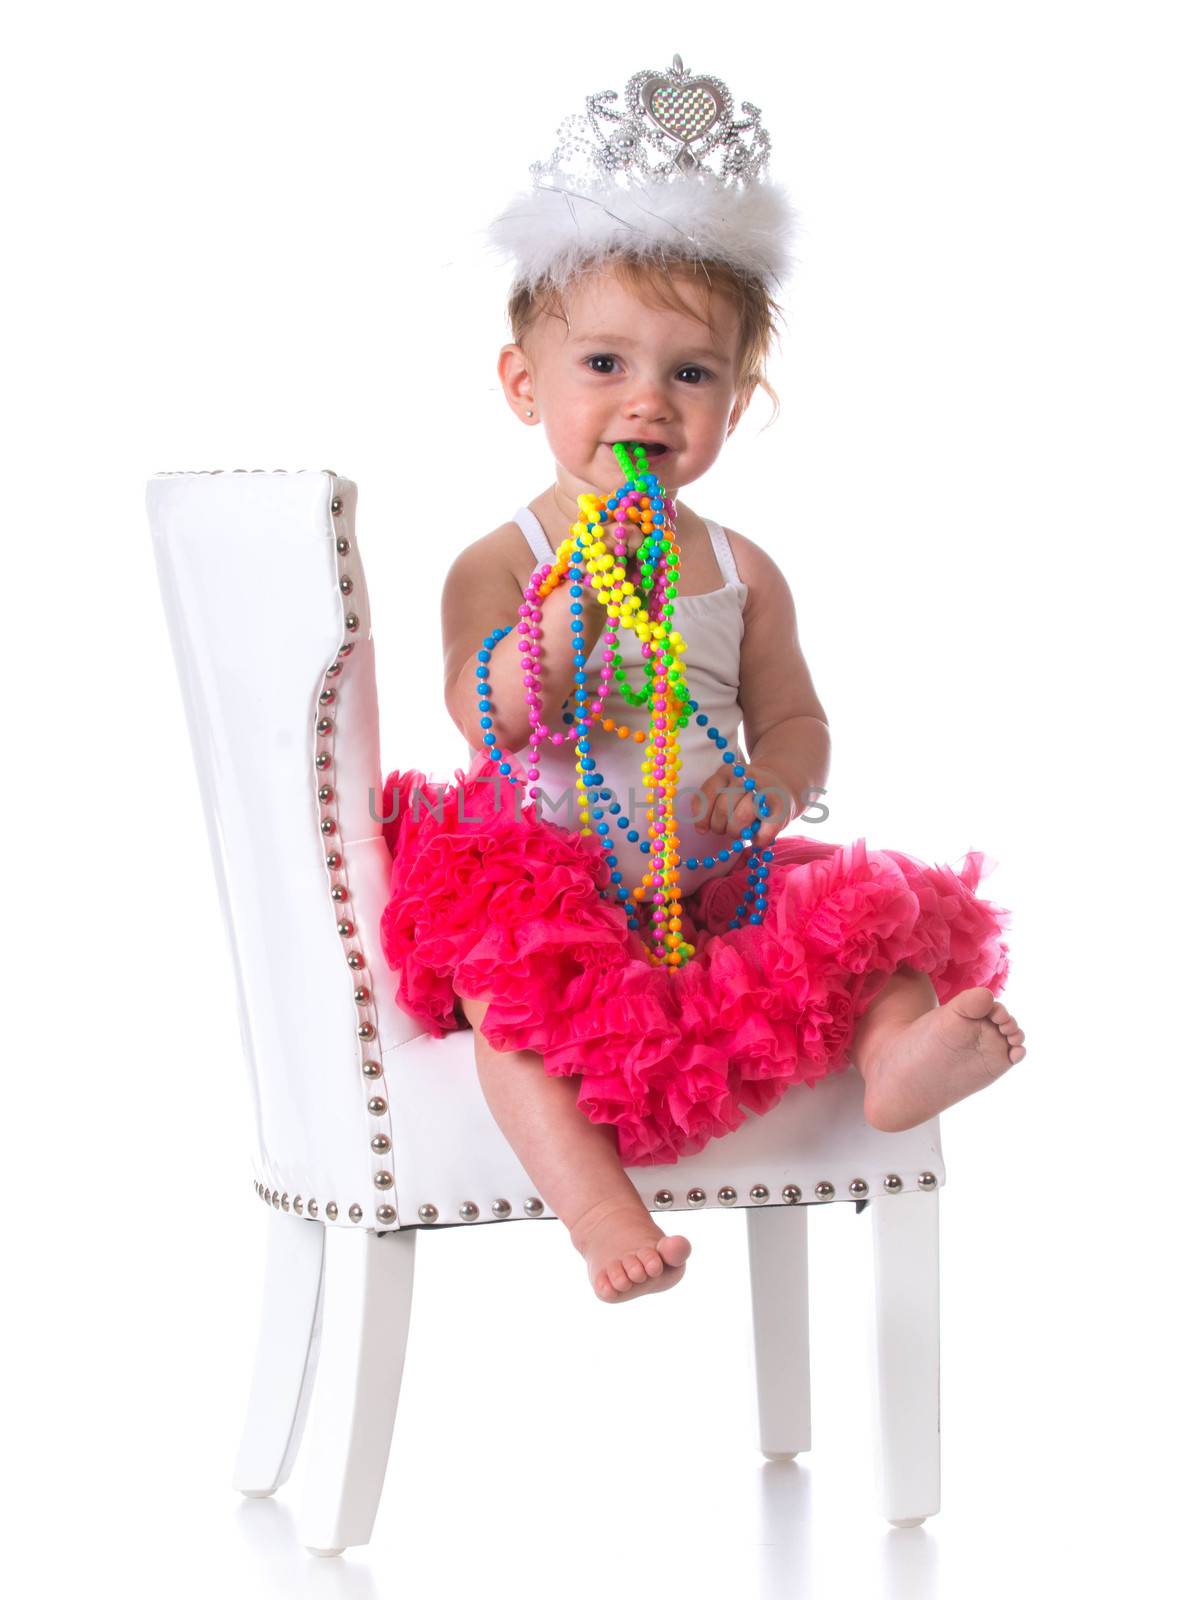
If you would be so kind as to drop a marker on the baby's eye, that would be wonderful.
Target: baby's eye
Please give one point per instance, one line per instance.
(599, 358)
(702, 370)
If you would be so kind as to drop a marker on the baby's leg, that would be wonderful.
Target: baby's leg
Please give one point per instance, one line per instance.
(916, 1057)
(575, 1167)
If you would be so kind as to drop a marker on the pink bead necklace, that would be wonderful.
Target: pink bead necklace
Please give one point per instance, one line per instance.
(643, 501)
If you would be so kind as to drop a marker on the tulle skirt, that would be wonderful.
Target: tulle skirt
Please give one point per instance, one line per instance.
(492, 902)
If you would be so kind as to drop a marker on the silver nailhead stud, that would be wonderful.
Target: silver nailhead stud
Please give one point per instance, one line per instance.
(366, 1030)
(381, 1143)
(428, 1213)
(382, 1179)
(354, 960)
(501, 1208)
(346, 649)
(346, 585)
(325, 792)
(342, 545)
(377, 1105)
(285, 1202)
(696, 1197)
(346, 928)
(857, 1186)
(323, 725)
(727, 1195)
(333, 670)
(386, 1214)
(926, 1180)
(351, 622)
(468, 1211)
(534, 1207)
(336, 506)
(892, 1183)
(332, 1209)
(328, 824)
(791, 1194)
(371, 1069)
(355, 1212)
(339, 894)
(326, 697)
(333, 859)
(824, 1190)
(758, 1192)
(362, 995)
(323, 760)
(298, 1205)
(663, 1199)
(311, 1208)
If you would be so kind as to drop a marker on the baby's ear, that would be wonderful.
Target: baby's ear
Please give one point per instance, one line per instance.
(742, 400)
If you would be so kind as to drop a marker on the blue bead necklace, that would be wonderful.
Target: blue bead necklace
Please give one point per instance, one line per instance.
(754, 903)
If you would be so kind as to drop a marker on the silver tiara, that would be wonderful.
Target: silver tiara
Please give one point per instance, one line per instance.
(672, 172)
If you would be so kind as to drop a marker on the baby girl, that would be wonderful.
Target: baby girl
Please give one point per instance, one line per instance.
(632, 345)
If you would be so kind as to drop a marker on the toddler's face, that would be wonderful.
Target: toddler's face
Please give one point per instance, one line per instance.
(627, 370)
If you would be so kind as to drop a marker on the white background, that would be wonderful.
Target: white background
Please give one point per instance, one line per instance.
(251, 236)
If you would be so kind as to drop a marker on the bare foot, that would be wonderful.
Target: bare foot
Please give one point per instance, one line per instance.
(626, 1253)
(923, 1066)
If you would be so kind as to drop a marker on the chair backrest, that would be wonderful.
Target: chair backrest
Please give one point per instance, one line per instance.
(268, 613)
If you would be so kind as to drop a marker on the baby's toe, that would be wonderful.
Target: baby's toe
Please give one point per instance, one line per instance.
(999, 1013)
(635, 1267)
(674, 1249)
(617, 1276)
(1016, 1053)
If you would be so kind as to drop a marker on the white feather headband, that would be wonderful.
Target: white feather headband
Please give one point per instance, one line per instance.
(671, 175)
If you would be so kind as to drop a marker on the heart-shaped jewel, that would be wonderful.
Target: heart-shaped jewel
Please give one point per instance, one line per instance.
(684, 111)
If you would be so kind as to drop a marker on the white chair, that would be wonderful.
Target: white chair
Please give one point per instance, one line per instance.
(370, 1131)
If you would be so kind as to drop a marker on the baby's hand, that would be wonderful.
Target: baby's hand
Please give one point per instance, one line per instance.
(633, 539)
(724, 806)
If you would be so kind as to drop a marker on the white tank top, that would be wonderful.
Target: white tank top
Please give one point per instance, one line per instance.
(713, 628)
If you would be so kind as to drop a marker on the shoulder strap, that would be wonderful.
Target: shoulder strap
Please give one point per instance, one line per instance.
(723, 553)
(531, 527)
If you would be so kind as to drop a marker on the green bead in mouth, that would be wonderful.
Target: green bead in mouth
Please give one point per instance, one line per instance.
(635, 471)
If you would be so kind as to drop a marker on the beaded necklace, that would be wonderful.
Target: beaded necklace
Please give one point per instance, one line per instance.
(641, 500)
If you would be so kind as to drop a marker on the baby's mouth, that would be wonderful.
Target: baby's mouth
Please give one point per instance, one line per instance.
(653, 450)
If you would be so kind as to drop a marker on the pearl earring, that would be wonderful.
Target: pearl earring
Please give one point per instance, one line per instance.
(528, 413)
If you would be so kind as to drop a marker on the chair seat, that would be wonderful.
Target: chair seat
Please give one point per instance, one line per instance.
(453, 1166)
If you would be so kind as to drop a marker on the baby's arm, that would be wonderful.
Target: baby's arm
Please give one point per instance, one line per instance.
(785, 725)
(482, 593)
(477, 596)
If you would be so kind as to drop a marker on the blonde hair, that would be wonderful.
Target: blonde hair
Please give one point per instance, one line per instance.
(656, 283)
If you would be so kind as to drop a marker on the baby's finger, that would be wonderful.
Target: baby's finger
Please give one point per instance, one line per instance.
(696, 806)
(700, 804)
(744, 810)
(718, 812)
(779, 814)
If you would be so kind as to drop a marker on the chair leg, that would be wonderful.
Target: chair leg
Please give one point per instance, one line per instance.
(286, 1354)
(366, 1300)
(905, 1256)
(778, 1269)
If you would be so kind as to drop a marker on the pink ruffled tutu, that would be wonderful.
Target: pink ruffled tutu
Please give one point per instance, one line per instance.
(491, 902)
